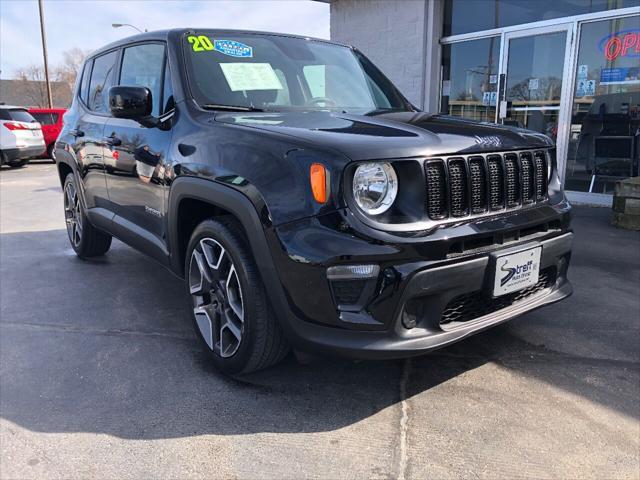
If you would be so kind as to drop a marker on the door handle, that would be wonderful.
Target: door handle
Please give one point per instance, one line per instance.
(76, 133)
(112, 141)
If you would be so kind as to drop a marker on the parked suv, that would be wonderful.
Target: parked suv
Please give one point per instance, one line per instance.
(20, 136)
(51, 121)
(304, 200)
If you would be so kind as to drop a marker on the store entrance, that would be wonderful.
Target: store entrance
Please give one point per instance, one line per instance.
(533, 88)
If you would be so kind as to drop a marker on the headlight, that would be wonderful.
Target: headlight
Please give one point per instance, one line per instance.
(375, 186)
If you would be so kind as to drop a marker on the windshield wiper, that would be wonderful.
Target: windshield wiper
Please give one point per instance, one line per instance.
(231, 108)
(379, 111)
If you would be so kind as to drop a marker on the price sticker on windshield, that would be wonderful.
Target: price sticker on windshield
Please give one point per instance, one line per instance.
(250, 76)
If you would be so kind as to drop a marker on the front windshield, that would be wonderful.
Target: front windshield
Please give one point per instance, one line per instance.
(275, 73)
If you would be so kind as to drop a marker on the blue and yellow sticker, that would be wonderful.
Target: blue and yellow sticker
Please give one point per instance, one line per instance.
(202, 43)
(233, 48)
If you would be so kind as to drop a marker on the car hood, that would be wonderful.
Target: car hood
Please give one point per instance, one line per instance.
(390, 135)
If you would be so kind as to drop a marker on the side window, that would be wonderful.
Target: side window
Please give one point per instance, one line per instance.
(84, 83)
(167, 95)
(142, 66)
(101, 80)
(44, 118)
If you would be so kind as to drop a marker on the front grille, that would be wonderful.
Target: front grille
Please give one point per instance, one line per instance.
(478, 304)
(462, 186)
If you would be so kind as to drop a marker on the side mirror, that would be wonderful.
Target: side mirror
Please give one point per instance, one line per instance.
(130, 102)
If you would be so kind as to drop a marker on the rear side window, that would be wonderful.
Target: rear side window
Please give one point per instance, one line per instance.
(142, 66)
(17, 114)
(102, 79)
(84, 84)
(45, 118)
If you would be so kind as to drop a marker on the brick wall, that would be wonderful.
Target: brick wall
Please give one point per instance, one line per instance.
(390, 33)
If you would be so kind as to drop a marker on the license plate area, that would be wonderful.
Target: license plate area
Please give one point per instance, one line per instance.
(516, 271)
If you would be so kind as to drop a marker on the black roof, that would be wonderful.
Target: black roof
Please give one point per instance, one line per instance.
(176, 32)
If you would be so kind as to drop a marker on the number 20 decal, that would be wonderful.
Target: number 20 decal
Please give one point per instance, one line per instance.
(200, 43)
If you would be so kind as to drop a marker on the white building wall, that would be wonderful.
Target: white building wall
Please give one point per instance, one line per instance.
(393, 34)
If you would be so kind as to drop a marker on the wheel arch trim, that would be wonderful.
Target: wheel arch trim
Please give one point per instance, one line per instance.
(241, 207)
(226, 198)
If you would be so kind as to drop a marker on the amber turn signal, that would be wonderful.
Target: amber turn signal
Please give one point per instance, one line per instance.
(318, 176)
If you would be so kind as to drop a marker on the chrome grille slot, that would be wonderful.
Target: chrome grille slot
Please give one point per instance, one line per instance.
(458, 187)
(540, 162)
(463, 186)
(496, 182)
(436, 190)
(477, 185)
(512, 172)
(528, 178)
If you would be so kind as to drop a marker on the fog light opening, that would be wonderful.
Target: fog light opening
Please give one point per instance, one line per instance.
(353, 272)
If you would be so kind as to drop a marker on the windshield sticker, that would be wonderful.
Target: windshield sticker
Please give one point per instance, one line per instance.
(250, 76)
(233, 48)
(200, 43)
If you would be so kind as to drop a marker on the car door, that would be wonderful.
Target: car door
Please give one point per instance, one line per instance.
(135, 158)
(88, 128)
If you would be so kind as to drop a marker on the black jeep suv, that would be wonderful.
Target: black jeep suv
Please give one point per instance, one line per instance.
(304, 200)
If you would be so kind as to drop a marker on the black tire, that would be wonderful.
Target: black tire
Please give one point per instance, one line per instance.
(86, 240)
(50, 152)
(262, 342)
(18, 163)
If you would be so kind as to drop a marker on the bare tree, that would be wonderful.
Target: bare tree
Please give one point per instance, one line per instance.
(32, 82)
(32, 85)
(68, 70)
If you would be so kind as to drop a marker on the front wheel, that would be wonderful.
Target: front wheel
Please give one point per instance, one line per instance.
(50, 152)
(86, 240)
(231, 313)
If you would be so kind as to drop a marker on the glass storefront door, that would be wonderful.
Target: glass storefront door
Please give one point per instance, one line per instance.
(533, 84)
(575, 79)
(604, 144)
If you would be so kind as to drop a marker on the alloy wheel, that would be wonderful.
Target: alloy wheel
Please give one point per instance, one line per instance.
(73, 214)
(217, 297)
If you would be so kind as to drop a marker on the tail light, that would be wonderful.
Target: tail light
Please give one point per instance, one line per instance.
(15, 126)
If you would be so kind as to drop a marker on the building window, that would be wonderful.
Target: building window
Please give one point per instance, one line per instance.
(470, 79)
(464, 16)
(604, 141)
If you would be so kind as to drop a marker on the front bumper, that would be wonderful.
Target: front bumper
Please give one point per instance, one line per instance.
(433, 290)
(443, 295)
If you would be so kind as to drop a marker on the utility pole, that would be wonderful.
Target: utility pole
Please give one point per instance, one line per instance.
(44, 53)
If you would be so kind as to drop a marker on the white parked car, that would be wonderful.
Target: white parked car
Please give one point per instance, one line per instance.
(20, 136)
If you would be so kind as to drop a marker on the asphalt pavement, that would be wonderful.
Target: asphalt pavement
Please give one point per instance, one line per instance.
(102, 377)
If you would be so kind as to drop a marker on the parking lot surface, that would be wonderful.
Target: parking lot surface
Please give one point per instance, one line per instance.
(101, 376)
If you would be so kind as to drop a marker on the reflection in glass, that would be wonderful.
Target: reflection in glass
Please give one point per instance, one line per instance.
(470, 79)
(605, 124)
(464, 16)
(534, 81)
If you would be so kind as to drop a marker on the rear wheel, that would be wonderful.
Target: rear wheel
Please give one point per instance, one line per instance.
(17, 163)
(86, 240)
(231, 313)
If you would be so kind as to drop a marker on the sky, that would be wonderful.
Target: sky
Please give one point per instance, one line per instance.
(87, 23)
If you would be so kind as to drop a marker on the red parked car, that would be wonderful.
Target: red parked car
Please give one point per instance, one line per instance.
(51, 121)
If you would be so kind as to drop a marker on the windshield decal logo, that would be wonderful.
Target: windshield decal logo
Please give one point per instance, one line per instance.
(233, 48)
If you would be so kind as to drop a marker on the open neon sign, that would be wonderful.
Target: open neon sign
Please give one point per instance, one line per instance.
(625, 43)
